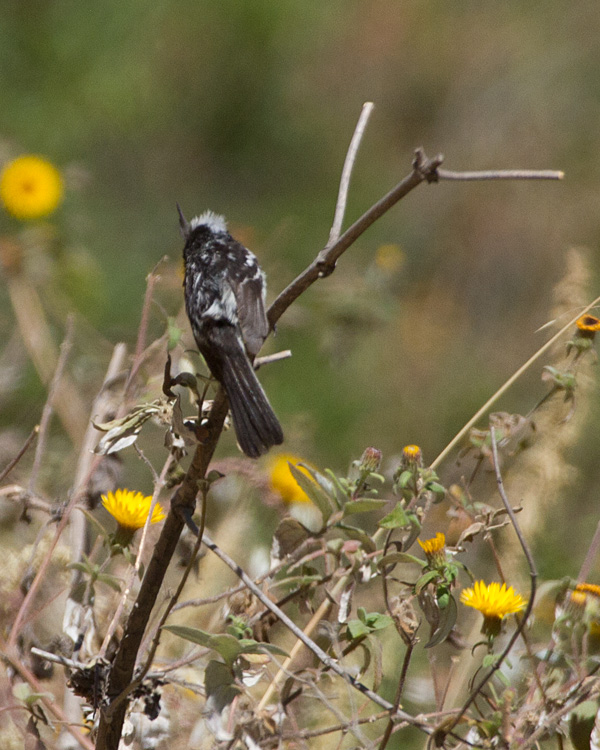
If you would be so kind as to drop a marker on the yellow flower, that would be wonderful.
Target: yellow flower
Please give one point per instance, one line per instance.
(130, 509)
(494, 601)
(434, 549)
(588, 588)
(282, 481)
(30, 187)
(412, 453)
(412, 457)
(588, 323)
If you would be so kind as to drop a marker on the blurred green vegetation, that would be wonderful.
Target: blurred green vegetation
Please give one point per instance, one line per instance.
(247, 107)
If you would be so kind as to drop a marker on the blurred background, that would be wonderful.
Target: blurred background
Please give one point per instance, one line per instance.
(247, 107)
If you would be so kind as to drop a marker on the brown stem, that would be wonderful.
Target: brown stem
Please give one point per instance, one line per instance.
(121, 675)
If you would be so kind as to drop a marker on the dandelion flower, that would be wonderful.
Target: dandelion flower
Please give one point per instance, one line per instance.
(130, 509)
(435, 549)
(412, 454)
(30, 187)
(494, 601)
(282, 481)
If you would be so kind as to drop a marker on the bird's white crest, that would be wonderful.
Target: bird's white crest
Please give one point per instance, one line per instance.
(213, 221)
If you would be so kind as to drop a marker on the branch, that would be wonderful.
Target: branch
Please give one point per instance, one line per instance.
(340, 207)
(308, 642)
(324, 263)
(424, 170)
(65, 350)
(121, 674)
(513, 378)
(502, 174)
(533, 576)
(13, 462)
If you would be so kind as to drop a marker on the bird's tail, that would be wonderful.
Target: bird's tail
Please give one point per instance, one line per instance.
(256, 426)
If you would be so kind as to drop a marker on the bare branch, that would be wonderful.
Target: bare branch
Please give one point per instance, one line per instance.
(342, 199)
(65, 349)
(152, 278)
(269, 358)
(13, 462)
(533, 577)
(324, 263)
(513, 378)
(308, 642)
(502, 174)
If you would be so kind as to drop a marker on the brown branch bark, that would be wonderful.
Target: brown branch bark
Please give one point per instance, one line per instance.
(121, 674)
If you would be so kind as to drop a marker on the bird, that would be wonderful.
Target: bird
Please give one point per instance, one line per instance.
(225, 290)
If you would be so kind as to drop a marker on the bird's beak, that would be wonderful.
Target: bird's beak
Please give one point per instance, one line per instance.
(183, 223)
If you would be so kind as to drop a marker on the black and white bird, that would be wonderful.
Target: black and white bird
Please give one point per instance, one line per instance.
(225, 302)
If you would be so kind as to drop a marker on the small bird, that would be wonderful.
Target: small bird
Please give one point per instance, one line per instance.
(225, 302)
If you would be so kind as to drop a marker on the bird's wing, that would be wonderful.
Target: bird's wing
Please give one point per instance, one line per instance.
(248, 284)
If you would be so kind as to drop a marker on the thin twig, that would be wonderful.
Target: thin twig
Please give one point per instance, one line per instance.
(44, 696)
(319, 615)
(13, 462)
(310, 644)
(502, 390)
(65, 349)
(152, 278)
(503, 174)
(324, 263)
(390, 725)
(342, 199)
(269, 358)
(532, 575)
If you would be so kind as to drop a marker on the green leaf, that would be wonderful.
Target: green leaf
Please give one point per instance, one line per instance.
(426, 578)
(398, 518)
(363, 506)
(314, 492)
(404, 479)
(399, 557)
(227, 646)
(195, 635)
(109, 580)
(378, 621)
(250, 646)
(436, 487)
(357, 629)
(446, 622)
(341, 490)
(219, 685)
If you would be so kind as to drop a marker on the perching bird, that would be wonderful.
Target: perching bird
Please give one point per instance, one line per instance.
(225, 302)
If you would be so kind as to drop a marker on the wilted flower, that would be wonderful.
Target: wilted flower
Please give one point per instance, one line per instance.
(370, 460)
(30, 187)
(588, 325)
